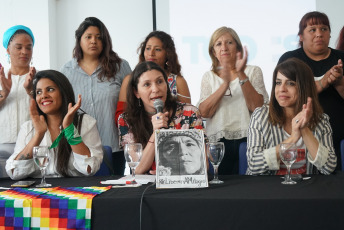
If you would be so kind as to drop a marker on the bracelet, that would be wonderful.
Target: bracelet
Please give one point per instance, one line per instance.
(71, 134)
(151, 141)
(242, 82)
(31, 93)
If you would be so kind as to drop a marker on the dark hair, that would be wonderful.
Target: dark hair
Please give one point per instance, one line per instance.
(110, 61)
(67, 93)
(136, 116)
(313, 18)
(298, 71)
(340, 42)
(172, 63)
(19, 32)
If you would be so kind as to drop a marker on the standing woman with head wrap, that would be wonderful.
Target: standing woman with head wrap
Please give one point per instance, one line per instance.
(15, 86)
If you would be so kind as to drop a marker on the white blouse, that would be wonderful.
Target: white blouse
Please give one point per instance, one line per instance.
(232, 116)
(15, 110)
(77, 165)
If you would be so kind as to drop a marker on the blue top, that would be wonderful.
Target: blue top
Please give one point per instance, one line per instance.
(99, 97)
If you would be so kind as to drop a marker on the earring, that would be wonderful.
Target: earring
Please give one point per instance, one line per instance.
(139, 102)
(31, 63)
(166, 63)
(8, 58)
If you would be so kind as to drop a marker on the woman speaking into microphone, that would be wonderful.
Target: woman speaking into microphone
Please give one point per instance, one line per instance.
(150, 106)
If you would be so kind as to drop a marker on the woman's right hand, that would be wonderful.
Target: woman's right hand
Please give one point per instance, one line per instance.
(6, 83)
(160, 120)
(38, 121)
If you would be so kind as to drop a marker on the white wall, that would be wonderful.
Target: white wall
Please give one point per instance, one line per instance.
(128, 23)
(267, 27)
(33, 14)
(54, 22)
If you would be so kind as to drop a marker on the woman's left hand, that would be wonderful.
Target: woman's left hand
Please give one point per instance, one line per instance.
(28, 80)
(241, 60)
(68, 119)
(336, 73)
(300, 121)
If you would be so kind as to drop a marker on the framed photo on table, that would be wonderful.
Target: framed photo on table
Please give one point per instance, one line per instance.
(180, 159)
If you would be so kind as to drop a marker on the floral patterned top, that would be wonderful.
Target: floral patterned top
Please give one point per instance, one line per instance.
(172, 84)
(187, 116)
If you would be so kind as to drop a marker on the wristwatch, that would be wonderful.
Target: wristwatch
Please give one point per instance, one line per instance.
(241, 82)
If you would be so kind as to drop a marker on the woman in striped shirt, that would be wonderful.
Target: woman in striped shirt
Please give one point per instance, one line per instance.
(294, 115)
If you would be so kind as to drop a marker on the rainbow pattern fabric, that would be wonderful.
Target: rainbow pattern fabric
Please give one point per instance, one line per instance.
(47, 208)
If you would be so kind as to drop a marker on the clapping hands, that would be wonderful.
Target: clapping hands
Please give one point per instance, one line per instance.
(38, 121)
(68, 119)
(6, 83)
(28, 79)
(300, 121)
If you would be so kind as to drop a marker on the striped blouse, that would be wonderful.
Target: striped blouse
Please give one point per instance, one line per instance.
(263, 137)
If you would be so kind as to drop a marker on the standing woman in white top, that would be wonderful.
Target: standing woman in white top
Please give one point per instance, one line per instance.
(230, 92)
(15, 87)
(96, 72)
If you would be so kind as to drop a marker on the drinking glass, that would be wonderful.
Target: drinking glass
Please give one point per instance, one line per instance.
(215, 152)
(132, 154)
(288, 153)
(41, 156)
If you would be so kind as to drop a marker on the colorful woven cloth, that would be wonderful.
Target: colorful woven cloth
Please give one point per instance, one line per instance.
(47, 208)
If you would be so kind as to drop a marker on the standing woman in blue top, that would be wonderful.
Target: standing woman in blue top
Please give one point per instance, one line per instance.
(96, 72)
(15, 87)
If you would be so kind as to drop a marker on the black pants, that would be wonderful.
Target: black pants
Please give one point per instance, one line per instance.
(118, 163)
(230, 162)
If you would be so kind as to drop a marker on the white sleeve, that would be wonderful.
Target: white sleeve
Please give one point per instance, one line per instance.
(90, 136)
(255, 75)
(206, 90)
(19, 169)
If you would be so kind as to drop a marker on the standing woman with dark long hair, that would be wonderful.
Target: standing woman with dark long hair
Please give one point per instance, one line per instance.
(97, 72)
(56, 122)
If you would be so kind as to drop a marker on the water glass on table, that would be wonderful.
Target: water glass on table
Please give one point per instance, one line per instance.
(41, 156)
(133, 154)
(288, 154)
(215, 152)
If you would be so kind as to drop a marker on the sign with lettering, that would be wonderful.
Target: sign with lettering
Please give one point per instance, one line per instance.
(180, 159)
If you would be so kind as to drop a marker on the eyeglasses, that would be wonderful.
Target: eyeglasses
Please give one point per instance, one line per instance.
(230, 92)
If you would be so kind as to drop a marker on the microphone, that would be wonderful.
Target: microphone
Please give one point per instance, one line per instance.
(158, 105)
